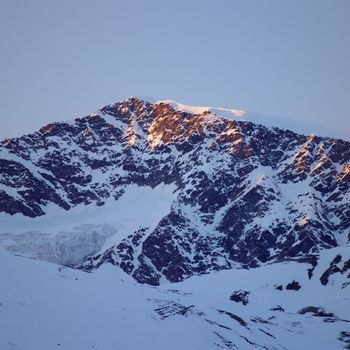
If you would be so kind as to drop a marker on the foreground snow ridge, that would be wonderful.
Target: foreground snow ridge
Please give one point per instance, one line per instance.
(46, 306)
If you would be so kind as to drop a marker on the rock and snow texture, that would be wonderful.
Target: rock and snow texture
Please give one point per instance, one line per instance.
(46, 306)
(167, 193)
(300, 127)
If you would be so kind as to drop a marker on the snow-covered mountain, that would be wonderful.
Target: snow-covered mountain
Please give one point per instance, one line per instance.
(236, 232)
(167, 192)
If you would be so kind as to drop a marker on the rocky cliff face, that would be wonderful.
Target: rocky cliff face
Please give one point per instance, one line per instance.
(244, 193)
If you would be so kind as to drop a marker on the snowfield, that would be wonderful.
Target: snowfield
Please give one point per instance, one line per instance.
(46, 306)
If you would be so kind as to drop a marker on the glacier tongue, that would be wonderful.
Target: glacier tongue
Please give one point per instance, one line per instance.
(68, 237)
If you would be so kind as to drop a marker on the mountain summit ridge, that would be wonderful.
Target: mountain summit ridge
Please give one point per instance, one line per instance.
(297, 126)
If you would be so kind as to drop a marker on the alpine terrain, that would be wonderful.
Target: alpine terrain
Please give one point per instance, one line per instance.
(161, 225)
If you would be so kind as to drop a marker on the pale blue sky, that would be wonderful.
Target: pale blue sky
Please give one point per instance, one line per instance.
(62, 59)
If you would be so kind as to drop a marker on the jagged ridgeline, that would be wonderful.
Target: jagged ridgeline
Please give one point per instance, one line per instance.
(240, 193)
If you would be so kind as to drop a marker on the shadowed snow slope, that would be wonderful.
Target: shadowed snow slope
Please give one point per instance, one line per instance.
(45, 306)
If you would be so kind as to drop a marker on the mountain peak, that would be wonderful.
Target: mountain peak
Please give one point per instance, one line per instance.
(297, 126)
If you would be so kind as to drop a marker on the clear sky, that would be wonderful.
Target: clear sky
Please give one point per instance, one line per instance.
(63, 59)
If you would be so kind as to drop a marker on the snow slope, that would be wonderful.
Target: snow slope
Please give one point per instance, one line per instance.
(45, 306)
